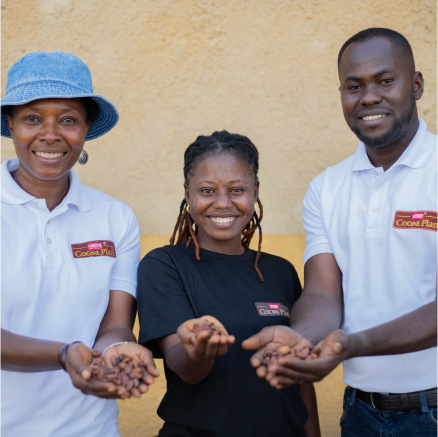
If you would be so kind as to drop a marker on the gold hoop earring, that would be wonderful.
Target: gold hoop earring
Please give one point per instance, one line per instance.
(188, 208)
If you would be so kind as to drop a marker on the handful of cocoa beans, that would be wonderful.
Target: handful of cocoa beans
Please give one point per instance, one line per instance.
(205, 325)
(271, 356)
(126, 372)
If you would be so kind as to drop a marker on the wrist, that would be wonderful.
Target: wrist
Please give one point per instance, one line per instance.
(119, 343)
(62, 354)
(356, 342)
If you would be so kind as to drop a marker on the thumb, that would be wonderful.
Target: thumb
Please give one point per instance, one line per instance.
(260, 339)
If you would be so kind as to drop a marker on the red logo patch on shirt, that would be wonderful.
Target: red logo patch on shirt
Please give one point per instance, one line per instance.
(94, 248)
(272, 309)
(426, 220)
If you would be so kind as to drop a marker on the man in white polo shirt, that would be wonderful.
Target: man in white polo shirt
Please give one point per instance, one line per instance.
(371, 253)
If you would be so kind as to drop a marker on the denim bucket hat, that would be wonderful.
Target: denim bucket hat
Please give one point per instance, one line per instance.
(43, 75)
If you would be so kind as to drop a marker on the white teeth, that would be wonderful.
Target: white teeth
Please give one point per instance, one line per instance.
(223, 220)
(48, 155)
(373, 117)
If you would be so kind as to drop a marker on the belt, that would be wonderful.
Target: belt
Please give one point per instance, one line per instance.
(396, 402)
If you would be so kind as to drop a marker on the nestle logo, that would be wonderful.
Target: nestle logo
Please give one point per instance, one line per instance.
(417, 216)
(274, 306)
(94, 246)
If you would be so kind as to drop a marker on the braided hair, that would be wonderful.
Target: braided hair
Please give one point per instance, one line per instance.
(222, 142)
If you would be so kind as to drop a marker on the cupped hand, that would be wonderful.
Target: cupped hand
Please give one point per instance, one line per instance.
(272, 337)
(204, 345)
(290, 370)
(77, 364)
(138, 353)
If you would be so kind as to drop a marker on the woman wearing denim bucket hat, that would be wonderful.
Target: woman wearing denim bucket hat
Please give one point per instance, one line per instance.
(70, 257)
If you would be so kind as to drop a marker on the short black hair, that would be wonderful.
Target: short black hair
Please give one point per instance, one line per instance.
(375, 32)
(92, 109)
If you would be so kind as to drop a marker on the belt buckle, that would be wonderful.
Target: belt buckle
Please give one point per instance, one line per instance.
(372, 402)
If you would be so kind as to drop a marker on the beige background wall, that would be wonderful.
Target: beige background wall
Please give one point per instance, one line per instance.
(179, 68)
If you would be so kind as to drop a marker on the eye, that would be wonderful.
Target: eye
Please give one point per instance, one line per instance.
(354, 87)
(386, 81)
(68, 120)
(207, 191)
(31, 119)
(236, 190)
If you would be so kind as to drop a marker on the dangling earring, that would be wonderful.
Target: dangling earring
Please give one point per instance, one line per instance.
(255, 205)
(83, 158)
(188, 208)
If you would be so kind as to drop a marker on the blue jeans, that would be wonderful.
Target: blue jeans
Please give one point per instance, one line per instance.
(360, 419)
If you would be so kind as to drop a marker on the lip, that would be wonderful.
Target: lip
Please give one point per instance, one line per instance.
(375, 122)
(227, 224)
(51, 161)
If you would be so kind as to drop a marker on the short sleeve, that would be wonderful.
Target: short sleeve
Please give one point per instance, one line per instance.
(124, 272)
(316, 236)
(163, 303)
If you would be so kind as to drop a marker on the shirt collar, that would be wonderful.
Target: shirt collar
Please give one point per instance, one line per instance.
(13, 194)
(415, 155)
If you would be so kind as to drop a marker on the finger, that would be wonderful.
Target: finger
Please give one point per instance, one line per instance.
(261, 371)
(280, 382)
(231, 339)
(314, 366)
(292, 375)
(148, 379)
(143, 388)
(200, 344)
(212, 346)
(260, 339)
(257, 359)
(189, 325)
(223, 346)
(152, 369)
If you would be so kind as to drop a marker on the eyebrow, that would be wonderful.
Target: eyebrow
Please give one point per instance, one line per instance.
(213, 183)
(36, 108)
(379, 73)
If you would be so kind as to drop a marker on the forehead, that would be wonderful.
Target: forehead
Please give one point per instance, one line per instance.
(55, 104)
(370, 57)
(221, 165)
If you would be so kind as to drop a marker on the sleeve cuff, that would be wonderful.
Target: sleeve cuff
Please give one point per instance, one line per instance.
(315, 250)
(128, 287)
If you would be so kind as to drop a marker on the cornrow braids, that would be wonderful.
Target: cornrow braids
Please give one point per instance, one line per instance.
(219, 142)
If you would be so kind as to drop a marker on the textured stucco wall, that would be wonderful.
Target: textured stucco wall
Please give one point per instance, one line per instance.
(179, 68)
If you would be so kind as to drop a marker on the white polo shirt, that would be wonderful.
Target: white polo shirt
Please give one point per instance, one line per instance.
(382, 229)
(58, 268)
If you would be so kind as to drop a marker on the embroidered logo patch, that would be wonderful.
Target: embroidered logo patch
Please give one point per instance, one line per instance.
(94, 248)
(415, 220)
(272, 309)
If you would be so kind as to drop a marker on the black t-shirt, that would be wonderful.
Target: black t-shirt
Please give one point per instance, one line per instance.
(232, 400)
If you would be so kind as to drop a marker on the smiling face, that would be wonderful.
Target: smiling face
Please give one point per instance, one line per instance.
(48, 136)
(378, 91)
(221, 193)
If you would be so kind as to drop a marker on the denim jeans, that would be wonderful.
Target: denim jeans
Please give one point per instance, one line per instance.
(360, 419)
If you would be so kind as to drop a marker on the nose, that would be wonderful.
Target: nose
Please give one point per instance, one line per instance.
(370, 96)
(49, 131)
(223, 200)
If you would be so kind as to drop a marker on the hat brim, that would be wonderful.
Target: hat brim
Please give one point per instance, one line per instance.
(25, 93)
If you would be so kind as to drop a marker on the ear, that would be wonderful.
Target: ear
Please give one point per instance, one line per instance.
(418, 85)
(256, 191)
(11, 126)
(187, 194)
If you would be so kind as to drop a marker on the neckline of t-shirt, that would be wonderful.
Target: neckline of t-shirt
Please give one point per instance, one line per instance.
(214, 256)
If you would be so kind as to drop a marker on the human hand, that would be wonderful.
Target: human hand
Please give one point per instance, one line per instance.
(204, 345)
(77, 365)
(272, 337)
(138, 354)
(289, 370)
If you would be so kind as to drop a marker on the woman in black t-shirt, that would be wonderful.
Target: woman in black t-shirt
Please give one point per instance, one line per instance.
(211, 388)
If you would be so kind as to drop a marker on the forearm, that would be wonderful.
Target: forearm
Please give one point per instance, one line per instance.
(308, 394)
(113, 335)
(186, 368)
(315, 315)
(412, 332)
(26, 354)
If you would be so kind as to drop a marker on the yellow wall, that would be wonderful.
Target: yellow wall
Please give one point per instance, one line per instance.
(180, 68)
(138, 417)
